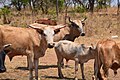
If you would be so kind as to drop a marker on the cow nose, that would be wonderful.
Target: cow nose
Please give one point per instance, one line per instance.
(82, 34)
(2, 70)
(51, 45)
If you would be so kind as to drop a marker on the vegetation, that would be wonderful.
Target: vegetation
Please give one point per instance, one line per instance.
(20, 13)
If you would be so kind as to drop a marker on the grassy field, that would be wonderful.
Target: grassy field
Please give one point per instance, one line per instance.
(98, 25)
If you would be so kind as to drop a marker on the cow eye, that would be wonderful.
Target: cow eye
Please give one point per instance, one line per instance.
(44, 34)
(75, 25)
(83, 24)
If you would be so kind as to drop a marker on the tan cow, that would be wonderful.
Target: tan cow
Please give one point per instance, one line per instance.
(108, 56)
(70, 31)
(27, 41)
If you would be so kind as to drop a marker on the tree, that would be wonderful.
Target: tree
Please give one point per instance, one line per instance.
(19, 4)
(118, 4)
(91, 5)
(5, 13)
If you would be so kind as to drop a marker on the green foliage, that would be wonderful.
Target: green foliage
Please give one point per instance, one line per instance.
(80, 9)
(4, 11)
(52, 13)
(60, 4)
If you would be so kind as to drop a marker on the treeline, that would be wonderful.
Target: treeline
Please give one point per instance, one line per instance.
(45, 5)
(55, 6)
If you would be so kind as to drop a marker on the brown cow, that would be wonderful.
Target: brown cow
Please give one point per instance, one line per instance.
(108, 56)
(46, 21)
(27, 41)
(71, 31)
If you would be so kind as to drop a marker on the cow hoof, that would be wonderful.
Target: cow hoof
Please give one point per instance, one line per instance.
(93, 77)
(61, 76)
(2, 70)
(75, 78)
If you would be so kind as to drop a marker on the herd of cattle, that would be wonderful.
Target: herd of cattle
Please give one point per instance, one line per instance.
(45, 33)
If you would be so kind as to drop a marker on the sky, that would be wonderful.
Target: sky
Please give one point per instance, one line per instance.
(114, 3)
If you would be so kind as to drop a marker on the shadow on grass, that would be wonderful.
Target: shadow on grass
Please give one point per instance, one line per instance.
(39, 67)
(8, 79)
(55, 77)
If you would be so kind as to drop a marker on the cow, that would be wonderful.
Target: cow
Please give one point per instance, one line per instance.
(31, 42)
(73, 51)
(108, 57)
(71, 32)
(46, 21)
(2, 58)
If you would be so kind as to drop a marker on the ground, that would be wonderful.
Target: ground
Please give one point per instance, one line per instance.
(16, 69)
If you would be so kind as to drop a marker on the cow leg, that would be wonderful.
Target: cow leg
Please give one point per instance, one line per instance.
(97, 74)
(36, 61)
(62, 63)
(67, 63)
(82, 71)
(76, 68)
(60, 59)
(2, 60)
(27, 62)
(30, 59)
(105, 71)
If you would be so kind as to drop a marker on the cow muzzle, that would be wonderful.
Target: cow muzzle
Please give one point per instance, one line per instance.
(82, 34)
(51, 45)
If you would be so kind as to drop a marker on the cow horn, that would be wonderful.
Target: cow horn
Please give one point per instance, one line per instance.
(93, 46)
(58, 26)
(83, 19)
(69, 19)
(37, 26)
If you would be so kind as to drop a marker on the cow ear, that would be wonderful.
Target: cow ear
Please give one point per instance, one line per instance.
(57, 28)
(83, 45)
(40, 31)
(92, 46)
(37, 27)
(56, 31)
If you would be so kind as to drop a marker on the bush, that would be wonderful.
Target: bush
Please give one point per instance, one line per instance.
(4, 11)
(80, 9)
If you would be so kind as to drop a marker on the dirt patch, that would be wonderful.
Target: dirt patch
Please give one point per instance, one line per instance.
(16, 69)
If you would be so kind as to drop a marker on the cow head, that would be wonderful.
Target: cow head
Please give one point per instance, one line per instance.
(90, 51)
(77, 27)
(47, 32)
(2, 58)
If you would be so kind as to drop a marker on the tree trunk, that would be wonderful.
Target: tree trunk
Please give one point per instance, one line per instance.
(118, 10)
(57, 8)
(5, 19)
(91, 5)
(30, 5)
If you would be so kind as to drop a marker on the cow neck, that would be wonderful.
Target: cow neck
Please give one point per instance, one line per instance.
(62, 34)
(43, 45)
(71, 36)
(87, 55)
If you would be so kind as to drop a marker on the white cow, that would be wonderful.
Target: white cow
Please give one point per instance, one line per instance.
(73, 51)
